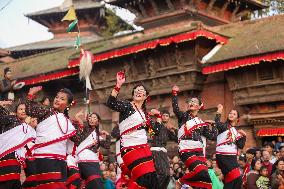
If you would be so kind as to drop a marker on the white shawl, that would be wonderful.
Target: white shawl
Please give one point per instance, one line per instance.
(51, 137)
(15, 139)
(135, 137)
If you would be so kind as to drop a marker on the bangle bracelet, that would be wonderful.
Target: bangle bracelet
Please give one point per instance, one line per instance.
(158, 116)
(116, 88)
(174, 92)
(31, 96)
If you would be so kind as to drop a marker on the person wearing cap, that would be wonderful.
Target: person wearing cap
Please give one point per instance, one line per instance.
(6, 85)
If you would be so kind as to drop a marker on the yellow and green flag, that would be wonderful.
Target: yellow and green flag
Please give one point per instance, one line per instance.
(71, 15)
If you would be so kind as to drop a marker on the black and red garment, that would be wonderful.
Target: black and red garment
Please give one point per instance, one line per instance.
(228, 142)
(73, 173)
(88, 141)
(29, 167)
(14, 135)
(122, 171)
(160, 155)
(192, 136)
(50, 149)
(135, 152)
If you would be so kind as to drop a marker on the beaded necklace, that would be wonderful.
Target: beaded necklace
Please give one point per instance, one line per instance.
(67, 125)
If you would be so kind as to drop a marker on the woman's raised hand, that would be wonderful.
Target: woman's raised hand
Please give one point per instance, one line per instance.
(120, 78)
(35, 90)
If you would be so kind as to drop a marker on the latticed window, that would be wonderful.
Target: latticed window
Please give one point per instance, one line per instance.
(265, 72)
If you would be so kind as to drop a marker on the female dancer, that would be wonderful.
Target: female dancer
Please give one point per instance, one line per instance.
(228, 142)
(133, 123)
(192, 136)
(53, 130)
(14, 135)
(88, 139)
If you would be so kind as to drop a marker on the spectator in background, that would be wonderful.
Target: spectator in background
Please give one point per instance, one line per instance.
(270, 147)
(103, 167)
(172, 183)
(266, 161)
(258, 153)
(216, 169)
(250, 154)
(107, 182)
(278, 143)
(281, 152)
(216, 182)
(112, 176)
(111, 167)
(45, 101)
(6, 86)
(263, 181)
(277, 178)
(176, 159)
(253, 175)
(242, 162)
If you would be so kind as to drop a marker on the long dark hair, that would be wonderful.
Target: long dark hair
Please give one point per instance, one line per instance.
(147, 93)
(228, 121)
(97, 128)
(70, 98)
(253, 162)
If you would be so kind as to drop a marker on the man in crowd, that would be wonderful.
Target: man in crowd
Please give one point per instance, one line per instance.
(6, 85)
(266, 161)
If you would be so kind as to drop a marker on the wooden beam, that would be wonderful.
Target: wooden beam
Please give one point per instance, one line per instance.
(170, 4)
(224, 8)
(142, 9)
(47, 23)
(154, 5)
(236, 10)
(210, 5)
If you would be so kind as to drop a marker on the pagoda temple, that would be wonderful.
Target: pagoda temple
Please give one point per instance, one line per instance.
(208, 48)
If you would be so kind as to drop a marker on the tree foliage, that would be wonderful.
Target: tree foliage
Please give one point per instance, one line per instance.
(114, 24)
(275, 7)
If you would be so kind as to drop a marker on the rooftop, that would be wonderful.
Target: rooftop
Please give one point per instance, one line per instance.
(249, 38)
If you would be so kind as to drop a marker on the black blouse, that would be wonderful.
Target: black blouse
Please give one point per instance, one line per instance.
(183, 117)
(84, 131)
(160, 140)
(7, 121)
(222, 127)
(126, 109)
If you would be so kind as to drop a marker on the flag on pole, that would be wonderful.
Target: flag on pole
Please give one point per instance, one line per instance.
(71, 15)
(73, 26)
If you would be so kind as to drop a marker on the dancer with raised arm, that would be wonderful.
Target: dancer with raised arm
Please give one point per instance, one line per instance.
(192, 136)
(89, 139)
(229, 140)
(15, 133)
(134, 121)
(53, 130)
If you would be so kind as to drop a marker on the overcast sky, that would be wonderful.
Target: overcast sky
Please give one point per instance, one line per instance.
(16, 29)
